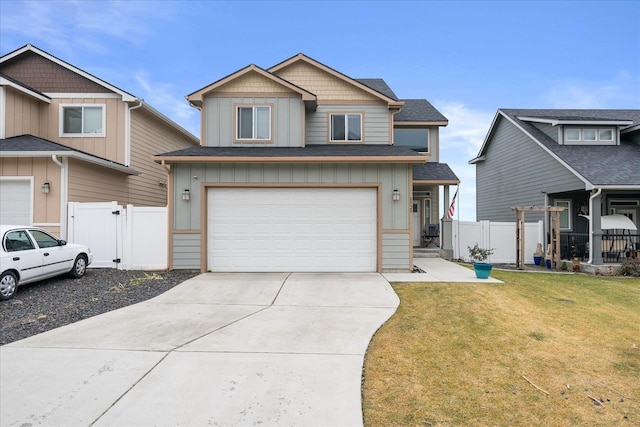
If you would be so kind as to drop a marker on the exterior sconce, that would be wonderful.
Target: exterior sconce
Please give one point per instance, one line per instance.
(395, 195)
(186, 194)
(46, 187)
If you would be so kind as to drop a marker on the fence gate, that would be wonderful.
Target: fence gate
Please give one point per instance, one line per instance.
(99, 226)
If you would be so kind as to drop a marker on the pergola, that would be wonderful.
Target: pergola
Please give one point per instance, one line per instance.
(554, 231)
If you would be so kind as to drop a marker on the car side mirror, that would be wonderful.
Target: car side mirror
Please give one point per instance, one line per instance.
(62, 242)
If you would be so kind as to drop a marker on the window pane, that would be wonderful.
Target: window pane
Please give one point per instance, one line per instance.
(337, 127)
(573, 134)
(44, 240)
(245, 122)
(355, 131)
(416, 139)
(92, 120)
(564, 215)
(72, 120)
(262, 123)
(18, 241)
(588, 134)
(606, 135)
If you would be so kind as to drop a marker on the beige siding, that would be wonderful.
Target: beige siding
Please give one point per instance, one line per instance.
(322, 84)
(91, 183)
(46, 207)
(149, 137)
(253, 82)
(24, 114)
(111, 146)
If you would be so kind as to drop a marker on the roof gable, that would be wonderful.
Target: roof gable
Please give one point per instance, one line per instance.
(326, 82)
(49, 74)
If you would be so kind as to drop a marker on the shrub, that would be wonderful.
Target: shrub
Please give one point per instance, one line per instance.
(630, 267)
(478, 254)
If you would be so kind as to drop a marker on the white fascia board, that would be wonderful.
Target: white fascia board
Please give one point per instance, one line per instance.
(588, 185)
(486, 138)
(83, 95)
(619, 187)
(5, 82)
(556, 122)
(630, 129)
(74, 155)
(552, 122)
(125, 95)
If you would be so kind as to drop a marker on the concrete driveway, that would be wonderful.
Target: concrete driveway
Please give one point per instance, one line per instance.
(218, 349)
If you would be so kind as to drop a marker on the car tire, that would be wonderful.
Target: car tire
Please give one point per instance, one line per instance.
(8, 285)
(79, 267)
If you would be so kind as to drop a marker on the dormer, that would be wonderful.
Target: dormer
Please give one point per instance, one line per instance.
(580, 131)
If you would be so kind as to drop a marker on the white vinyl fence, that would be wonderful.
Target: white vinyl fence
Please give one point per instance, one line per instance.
(499, 236)
(134, 238)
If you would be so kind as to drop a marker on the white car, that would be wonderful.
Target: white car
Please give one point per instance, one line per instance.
(29, 254)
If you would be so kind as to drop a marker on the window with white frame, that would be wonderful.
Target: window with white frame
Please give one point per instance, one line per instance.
(588, 135)
(346, 127)
(565, 215)
(82, 120)
(253, 122)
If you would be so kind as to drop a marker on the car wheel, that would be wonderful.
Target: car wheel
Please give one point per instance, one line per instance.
(8, 285)
(79, 267)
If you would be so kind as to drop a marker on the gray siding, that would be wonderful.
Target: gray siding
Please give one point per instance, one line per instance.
(516, 172)
(395, 252)
(186, 251)
(286, 121)
(551, 131)
(375, 117)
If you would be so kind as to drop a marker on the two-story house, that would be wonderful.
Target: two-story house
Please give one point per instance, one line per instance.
(586, 161)
(68, 136)
(298, 171)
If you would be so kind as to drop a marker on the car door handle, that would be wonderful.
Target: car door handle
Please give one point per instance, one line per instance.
(46, 254)
(16, 258)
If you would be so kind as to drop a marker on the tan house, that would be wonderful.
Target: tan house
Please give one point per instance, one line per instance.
(68, 136)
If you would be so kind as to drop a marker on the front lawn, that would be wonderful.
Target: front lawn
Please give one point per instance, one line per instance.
(488, 354)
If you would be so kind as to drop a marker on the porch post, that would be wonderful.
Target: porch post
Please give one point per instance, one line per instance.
(446, 233)
(596, 213)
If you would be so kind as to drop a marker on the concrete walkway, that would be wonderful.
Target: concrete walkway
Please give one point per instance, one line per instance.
(218, 349)
(438, 270)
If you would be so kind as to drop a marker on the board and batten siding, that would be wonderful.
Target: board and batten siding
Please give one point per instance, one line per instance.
(220, 121)
(515, 172)
(150, 136)
(23, 114)
(375, 120)
(186, 251)
(394, 215)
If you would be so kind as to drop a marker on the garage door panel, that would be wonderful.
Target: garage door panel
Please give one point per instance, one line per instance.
(289, 229)
(15, 202)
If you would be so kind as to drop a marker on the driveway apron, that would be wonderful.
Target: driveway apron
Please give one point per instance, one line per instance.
(219, 349)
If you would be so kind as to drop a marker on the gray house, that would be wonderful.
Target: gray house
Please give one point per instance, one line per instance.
(303, 168)
(587, 161)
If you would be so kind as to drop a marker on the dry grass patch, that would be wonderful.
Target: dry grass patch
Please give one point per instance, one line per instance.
(458, 354)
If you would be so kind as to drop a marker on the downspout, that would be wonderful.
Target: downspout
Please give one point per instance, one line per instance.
(63, 196)
(593, 196)
(127, 133)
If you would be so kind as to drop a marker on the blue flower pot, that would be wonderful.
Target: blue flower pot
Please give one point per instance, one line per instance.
(537, 260)
(549, 264)
(482, 269)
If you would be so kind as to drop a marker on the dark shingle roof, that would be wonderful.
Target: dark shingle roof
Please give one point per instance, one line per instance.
(418, 110)
(433, 172)
(31, 143)
(334, 150)
(379, 85)
(598, 164)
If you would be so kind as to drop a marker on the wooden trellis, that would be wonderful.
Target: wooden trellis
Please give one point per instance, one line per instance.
(554, 232)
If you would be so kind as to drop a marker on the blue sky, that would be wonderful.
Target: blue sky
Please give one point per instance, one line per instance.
(467, 58)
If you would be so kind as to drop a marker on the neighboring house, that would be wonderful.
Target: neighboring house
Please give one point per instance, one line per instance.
(587, 161)
(67, 136)
(298, 171)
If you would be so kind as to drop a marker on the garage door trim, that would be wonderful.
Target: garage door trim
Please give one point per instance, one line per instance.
(204, 213)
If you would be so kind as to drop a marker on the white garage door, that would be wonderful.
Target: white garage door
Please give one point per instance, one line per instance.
(292, 229)
(15, 202)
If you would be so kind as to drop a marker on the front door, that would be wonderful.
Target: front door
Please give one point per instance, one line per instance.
(417, 227)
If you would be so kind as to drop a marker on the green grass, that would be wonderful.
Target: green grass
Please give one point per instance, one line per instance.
(458, 354)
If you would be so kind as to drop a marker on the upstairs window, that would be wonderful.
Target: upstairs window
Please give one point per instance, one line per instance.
(415, 139)
(82, 120)
(588, 135)
(253, 123)
(346, 127)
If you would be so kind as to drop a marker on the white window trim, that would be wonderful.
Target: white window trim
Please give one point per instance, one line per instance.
(568, 209)
(237, 108)
(346, 124)
(82, 135)
(582, 141)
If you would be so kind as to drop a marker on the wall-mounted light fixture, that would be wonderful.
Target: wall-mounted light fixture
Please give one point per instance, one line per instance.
(395, 195)
(46, 187)
(186, 194)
